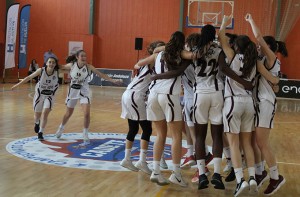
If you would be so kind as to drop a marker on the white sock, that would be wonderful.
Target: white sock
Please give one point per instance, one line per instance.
(258, 168)
(127, 154)
(61, 126)
(262, 166)
(176, 169)
(41, 130)
(156, 167)
(85, 130)
(238, 174)
(190, 150)
(201, 166)
(37, 121)
(229, 162)
(274, 173)
(251, 171)
(143, 155)
(226, 151)
(206, 150)
(217, 165)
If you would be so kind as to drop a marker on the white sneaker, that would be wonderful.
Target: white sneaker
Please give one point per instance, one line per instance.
(158, 179)
(128, 164)
(163, 163)
(59, 132)
(252, 185)
(228, 166)
(86, 139)
(143, 167)
(177, 180)
(241, 188)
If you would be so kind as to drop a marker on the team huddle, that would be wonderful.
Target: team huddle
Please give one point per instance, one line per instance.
(229, 83)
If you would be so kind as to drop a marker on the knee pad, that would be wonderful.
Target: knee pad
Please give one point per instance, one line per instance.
(147, 130)
(133, 130)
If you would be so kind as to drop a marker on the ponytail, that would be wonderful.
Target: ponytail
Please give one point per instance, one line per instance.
(281, 48)
(73, 58)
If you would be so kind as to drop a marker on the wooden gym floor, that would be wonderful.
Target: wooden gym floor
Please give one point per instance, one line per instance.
(19, 177)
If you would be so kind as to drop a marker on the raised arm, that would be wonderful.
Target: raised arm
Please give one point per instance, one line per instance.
(65, 66)
(148, 60)
(266, 74)
(159, 49)
(271, 57)
(230, 73)
(104, 76)
(229, 52)
(26, 79)
(173, 73)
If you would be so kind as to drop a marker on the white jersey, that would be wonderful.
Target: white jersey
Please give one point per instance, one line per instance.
(188, 81)
(233, 88)
(79, 86)
(263, 88)
(48, 84)
(206, 71)
(142, 80)
(164, 86)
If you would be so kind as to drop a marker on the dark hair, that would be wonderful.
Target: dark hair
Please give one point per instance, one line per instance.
(73, 58)
(56, 62)
(153, 45)
(192, 40)
(208, 34)
(248, 48)
(173, 49)
(276, 46)
(232, 38)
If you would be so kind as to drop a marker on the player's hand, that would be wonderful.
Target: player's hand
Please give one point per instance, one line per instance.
(226, 19)
(248, 17)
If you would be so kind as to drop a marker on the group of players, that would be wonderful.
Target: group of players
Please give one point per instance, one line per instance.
(230, 84)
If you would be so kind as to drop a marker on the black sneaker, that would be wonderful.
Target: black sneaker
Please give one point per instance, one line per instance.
(274, 185)
(231, 176)
(216, 180)
(260, 179)
(36, 127)
(240, 187)
(203, 182)
(40, 136)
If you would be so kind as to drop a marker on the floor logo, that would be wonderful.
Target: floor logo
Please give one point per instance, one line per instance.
(104, 153)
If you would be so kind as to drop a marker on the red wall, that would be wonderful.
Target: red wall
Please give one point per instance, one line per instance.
(290, 65)
(119, 22)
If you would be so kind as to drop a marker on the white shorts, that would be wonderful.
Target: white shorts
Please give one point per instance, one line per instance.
(238, 114)
(40, 102)
(71, 103)
(188, 111)
(163, 107)
(265, 112)
(208, 106)
(133, 105)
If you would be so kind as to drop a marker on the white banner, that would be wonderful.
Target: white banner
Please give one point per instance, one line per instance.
(75, 46)
(11, 34)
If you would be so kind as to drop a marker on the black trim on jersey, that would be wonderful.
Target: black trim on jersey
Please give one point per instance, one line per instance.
(188, 80)
(273, 114)
(273, 64)
(257, 89)
(195, 107)
(256, 115)
(162, 65)
(140, 81)
(232, 60)
(39, 95)
(50, 102)
(35, 105)
(137, 112)
(146, 73)
(172, 110)
(132, 99)
(55, 90)
(230, 87)
(170, 100)
(216, 83)
(47, 73)
(154, 82)
(172, 86)
(229, 115)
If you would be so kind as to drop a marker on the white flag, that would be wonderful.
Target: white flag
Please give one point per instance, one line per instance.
(11, 34)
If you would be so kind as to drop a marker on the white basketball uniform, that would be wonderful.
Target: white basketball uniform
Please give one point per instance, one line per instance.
(163, 100)
(133, 99)
(45, 90)
(265, 97)
(188, 80)
(208, 96)
(79, 87)
(238, 112)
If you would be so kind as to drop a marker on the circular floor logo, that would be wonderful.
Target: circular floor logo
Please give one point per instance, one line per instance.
(105, 151)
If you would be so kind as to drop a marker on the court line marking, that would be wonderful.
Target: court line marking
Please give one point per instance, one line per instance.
(161, 191)
(287, 163)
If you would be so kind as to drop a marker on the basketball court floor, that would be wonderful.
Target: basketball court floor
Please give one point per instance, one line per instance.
(54, 167)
